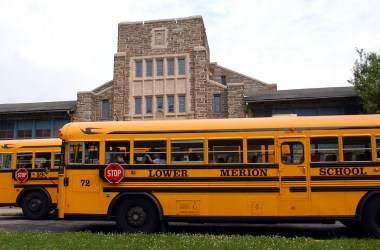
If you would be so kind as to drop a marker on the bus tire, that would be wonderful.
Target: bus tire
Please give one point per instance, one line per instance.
(371, 217)
(137, 215)
(35, 206)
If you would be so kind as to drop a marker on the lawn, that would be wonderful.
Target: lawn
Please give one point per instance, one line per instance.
(88, 240)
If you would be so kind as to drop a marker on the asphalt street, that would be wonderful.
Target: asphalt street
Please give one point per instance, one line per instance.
(11, 219)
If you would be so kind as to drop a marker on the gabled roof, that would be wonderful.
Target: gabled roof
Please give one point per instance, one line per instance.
(38, 107)
(301, 94)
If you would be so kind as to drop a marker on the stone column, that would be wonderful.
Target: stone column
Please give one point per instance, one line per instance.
(235, 100)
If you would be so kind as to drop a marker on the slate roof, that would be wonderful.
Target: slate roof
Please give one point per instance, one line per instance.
(38, 107)
(301, 94)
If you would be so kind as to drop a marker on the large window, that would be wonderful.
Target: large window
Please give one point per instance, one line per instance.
(160, 102)
(138, 101)
(187, 151)
(260, 150)
(181, 103)
(357, 148)
(138, 69)
(170, 65)
(148, 105)
(160, 67)
(217, 104)
(43, 129)
(149, 68)
(170, 104)
(25, 130)
(181, 66)
(105, 109)
(324, 149)
(225, 151)
(6, 130)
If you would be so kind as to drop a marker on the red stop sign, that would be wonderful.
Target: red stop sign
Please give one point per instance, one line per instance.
(21, 175)
(114, 173)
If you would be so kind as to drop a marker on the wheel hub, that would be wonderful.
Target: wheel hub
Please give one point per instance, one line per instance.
(136, 216)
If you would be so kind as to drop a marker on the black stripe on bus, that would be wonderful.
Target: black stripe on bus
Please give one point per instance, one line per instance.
(298, 189)
(344, 164)
(184, 166)
(345, 177)
(35, 186)
(233, 130)
(344, 189)
(43, 179)
(197, 179)
(43, 146)
(293, 178)
(195, 190)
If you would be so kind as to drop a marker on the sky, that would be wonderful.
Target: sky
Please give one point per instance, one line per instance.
(50, 50)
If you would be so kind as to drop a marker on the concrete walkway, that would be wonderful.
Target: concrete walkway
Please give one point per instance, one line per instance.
(10, 211)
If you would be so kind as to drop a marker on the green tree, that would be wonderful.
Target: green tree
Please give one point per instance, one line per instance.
(366, 80)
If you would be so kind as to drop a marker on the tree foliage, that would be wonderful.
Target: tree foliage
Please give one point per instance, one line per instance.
(366, 80)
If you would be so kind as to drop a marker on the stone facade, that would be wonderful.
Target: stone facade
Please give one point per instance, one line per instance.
(162, 70)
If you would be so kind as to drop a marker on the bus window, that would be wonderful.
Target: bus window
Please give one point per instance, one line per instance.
(5, 161)
(187, 151)
(24, 160)
(378, 147)
(148, 152)
(292, 153)
(57, 160)
(260, 150)
(113, 149)
(42, 160)
(225, 151)
(84, 152)
(324, 149)
(357, 148)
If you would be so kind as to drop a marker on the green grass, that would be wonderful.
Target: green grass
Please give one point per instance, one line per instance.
(88, 240)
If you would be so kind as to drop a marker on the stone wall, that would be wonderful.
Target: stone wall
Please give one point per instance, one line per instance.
(235, 100)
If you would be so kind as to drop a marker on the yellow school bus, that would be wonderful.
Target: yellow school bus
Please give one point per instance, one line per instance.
(29, 175)
(278, 169)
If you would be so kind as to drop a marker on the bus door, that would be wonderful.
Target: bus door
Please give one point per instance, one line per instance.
(294, 176)
(81, 180)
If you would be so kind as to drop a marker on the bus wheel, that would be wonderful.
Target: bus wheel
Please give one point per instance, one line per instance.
(371, 217)
(137, 216)
(35, 206)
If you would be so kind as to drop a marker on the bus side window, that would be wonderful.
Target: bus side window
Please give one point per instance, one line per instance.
(115, 148)
(186, 151)
(260, 150)
(225, 151)
(57, 160)
(324, 149)
(155, 149)
(378, 148)
(42, 160)
(357, 148)
(84, 152)
(24, 160)
(292, 153)
(5, 161)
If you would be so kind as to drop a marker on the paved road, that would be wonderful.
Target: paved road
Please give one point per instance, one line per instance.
(11, 219)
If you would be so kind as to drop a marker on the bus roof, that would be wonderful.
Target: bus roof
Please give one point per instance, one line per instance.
(84, 129)
(8, 144)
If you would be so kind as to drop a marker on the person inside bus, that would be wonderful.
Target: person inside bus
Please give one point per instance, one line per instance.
(158, 159)
(120, 159)
(193, 157)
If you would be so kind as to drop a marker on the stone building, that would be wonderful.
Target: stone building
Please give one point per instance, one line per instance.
(162, 70)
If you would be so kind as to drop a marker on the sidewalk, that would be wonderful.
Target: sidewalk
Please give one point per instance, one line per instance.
(10, 211)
